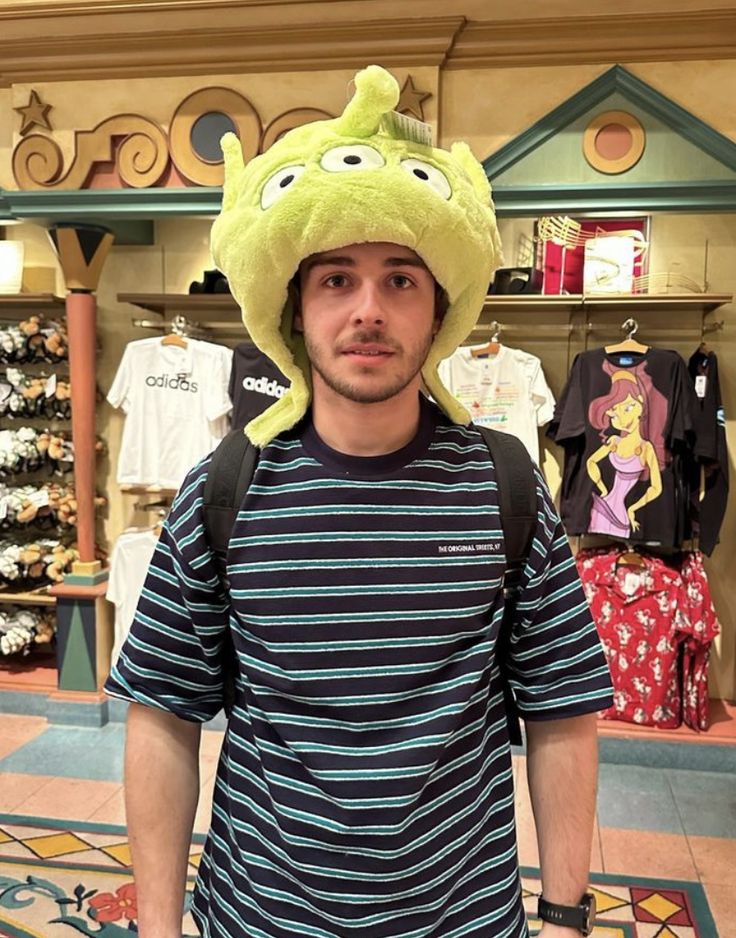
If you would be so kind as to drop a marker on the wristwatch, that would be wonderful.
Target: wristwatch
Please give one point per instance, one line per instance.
(580, 916)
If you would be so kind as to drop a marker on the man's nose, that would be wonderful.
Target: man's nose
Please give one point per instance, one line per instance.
(368, 308)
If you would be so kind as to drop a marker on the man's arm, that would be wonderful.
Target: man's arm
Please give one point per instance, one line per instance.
(161, 792)
(562, 770)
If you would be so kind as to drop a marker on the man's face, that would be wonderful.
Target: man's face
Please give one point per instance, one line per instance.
(368, 318)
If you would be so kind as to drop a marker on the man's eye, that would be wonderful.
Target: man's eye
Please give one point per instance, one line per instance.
(399, 280)
(336, 280)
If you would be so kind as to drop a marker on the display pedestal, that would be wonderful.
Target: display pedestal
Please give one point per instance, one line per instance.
(84, 640)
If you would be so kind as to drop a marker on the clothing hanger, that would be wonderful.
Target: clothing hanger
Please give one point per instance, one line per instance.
(158, 527)
(493, 347)
(629, 344)
(630, 558)
(177, 336)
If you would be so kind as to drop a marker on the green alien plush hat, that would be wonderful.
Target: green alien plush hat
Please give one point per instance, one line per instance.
(346, 181)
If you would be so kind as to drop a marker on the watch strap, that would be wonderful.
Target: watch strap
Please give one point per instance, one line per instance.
(567, 916)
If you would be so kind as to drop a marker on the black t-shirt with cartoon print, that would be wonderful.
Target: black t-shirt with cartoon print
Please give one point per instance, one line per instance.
(626, 422)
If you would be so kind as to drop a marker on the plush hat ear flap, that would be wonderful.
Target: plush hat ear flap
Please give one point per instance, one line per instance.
(376, 93)
(234, 166)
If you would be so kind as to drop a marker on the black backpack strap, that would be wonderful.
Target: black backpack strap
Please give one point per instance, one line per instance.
(230, 473)
(517, 496)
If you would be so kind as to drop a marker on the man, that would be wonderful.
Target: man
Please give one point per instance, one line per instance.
(365, 785)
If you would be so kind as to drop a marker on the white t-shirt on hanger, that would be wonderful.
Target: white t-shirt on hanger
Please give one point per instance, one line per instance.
(506, 391)
(175, 402)
(129, 564)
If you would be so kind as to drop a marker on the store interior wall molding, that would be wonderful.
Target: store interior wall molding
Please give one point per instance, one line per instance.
(594, 39)
(88, 40)
(173, 50)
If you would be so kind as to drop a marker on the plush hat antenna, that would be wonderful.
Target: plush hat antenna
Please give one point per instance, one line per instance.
(234, 166)
(376, 93)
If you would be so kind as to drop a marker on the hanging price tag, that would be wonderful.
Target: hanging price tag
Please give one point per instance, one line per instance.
(701, 383)
(40, 498)
(3, 508)
(51, 386)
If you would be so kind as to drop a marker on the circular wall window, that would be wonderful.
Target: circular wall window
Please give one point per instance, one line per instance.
(206, 133)
(613, 142)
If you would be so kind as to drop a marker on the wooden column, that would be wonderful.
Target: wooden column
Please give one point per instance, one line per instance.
(82, 250)
(84, 632)
(81, 317)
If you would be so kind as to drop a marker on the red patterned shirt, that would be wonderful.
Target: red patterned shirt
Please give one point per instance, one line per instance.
(650, 617)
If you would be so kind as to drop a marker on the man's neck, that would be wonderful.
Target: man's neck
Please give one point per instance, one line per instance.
(366, 429)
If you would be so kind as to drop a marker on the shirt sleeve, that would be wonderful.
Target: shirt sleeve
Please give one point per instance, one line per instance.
(171, 658)
(570, 416)
(118, 393)
(543, 400)
(557, 666)
(115, 582)
(218, 398)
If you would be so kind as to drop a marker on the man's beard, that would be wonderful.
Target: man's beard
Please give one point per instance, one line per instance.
(362, 395)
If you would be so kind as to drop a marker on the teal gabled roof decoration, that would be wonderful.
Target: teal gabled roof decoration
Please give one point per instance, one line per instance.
(686, 166)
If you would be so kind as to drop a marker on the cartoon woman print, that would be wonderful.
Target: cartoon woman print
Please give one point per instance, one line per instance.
(638, 411)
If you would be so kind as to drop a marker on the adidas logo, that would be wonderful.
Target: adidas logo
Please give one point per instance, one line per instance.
(264, 386)
(172, 383)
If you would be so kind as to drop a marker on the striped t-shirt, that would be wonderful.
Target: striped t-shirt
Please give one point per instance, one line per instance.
(365, 783)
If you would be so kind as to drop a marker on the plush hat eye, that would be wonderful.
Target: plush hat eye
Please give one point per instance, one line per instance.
(342, 159)
(277, 185)
(425, 172)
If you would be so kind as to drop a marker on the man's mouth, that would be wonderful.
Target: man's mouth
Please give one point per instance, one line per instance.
(368, 351)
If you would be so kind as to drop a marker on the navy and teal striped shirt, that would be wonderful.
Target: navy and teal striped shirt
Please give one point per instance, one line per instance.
(365, 783)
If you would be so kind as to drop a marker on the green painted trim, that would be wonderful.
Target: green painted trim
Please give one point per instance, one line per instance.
(5, 212)
(73, 579)
(125, 204)
(707, 197)
(637, 92)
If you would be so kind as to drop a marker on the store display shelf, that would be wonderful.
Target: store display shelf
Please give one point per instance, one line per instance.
(165, 304)
(32, 598)
(620, 302)
(35, 302)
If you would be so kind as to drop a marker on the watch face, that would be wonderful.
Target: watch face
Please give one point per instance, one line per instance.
(589, 905)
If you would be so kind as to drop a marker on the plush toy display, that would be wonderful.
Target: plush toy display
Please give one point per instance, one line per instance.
(27, 395)
(35, 563)
(34, 340)
(26, 449)
(42, 506)
(21, 628)
(351, 180)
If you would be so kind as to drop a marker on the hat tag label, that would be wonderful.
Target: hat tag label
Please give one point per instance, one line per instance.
(403, 127)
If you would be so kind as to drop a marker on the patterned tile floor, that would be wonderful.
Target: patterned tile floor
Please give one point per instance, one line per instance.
(669, 823)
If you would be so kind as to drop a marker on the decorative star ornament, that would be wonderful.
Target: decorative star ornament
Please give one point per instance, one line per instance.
(411, 100)
(35, 112)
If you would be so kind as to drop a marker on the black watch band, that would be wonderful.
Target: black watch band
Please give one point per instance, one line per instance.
(580, 916)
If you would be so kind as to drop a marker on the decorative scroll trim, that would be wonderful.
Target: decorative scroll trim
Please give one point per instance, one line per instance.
(137, 145)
